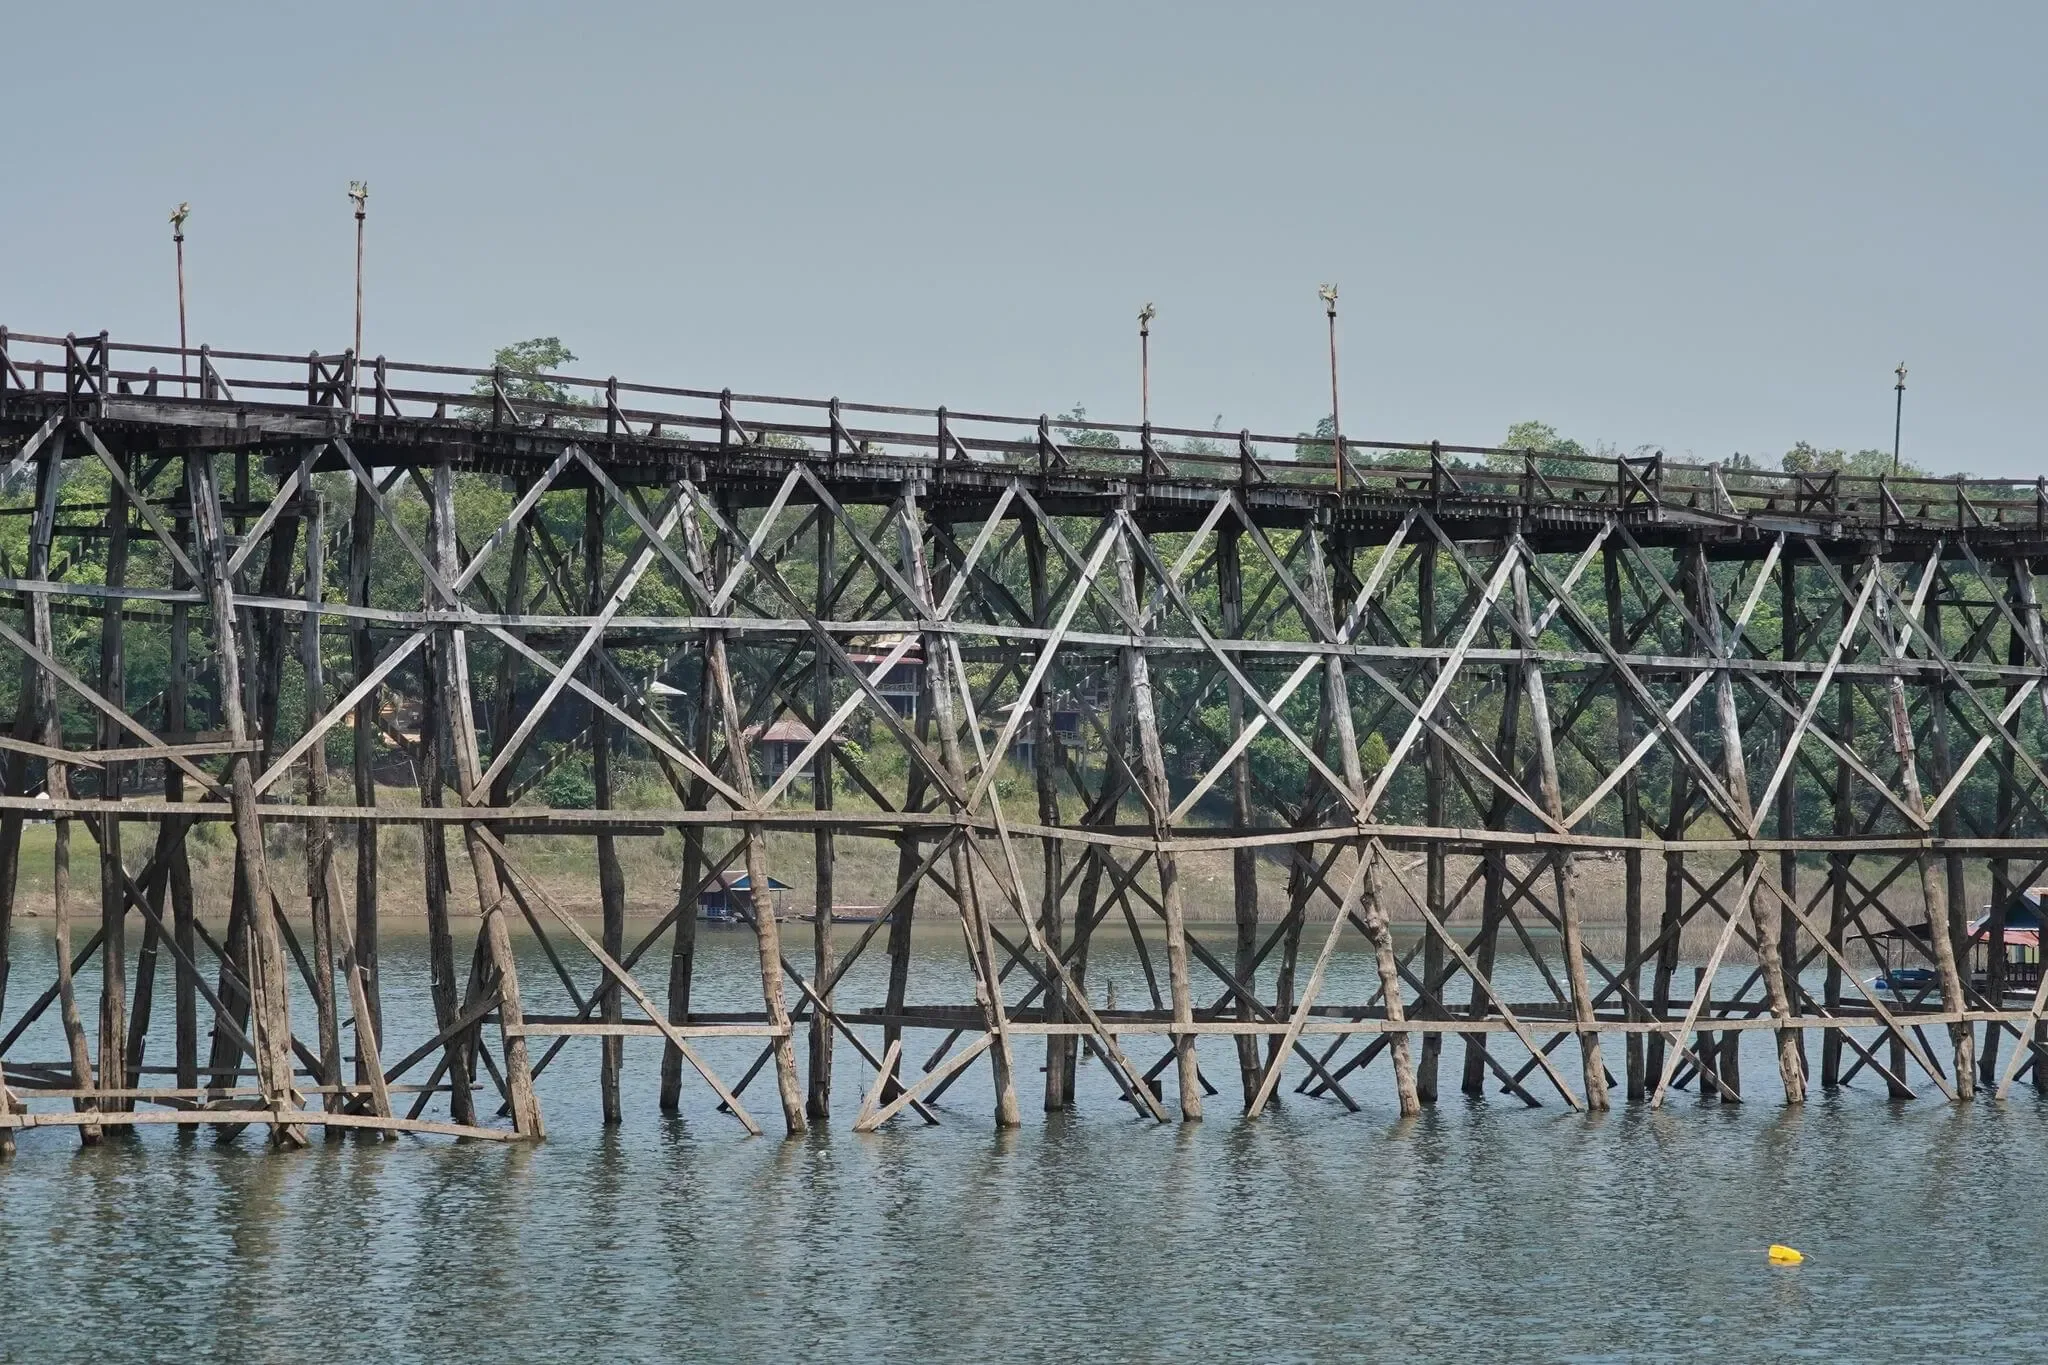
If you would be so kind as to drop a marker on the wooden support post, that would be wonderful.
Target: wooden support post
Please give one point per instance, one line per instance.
(494, 948)
(916, 786)
(1933, 886)
(2018, 596)
(1943, 763)
(1061, 1053)
(1706, 1047)
(319, 842)
(818, 1102)
(1493, 912)
(265, 969)
(2026, 606)
(1337, 705)
(363, 749)
(57, 783)
(1731, 1066)
(113, 685)
(611, 878)
(1678, 819)
(683, 951)
(1244, 862)
(1433, 792)
(1792, 644)
(155, 884)
(257, 650)
(1098, 861)
(981, 946)
(178, 866)
(767, 934)
(28, 729)
(1765, 921)
(1839, 865)
(1159, 802)
(1631, 820)
(168, 881)
(2002, 889)
(435, 687)
(1564, 873)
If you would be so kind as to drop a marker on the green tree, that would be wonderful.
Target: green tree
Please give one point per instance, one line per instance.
(527, 368)
(1315, 445)
(1074, 430)
(1562, 457)
(1806, 458)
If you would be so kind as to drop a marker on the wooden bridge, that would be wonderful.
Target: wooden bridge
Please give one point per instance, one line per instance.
(1405, 684)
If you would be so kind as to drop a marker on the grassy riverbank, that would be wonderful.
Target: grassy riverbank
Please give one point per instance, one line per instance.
(864, 872)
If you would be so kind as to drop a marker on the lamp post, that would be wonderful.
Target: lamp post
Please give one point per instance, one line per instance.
(1898, 415)
(1328, 294)
(1145, 316)
(178, 217)
(359, 195)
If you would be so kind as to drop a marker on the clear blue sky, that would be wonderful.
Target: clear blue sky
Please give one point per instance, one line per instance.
(1704, 228)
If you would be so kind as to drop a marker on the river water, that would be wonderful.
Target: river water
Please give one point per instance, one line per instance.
(1483, 1230)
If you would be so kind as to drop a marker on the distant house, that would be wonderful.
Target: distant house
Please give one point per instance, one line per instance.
(674, 702)
(723, 900)
(781, 745)
(901, 684)
(1066, 729)
(1096, 688)
(398, 722)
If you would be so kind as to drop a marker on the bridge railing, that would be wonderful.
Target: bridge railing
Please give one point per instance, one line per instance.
(90, 373)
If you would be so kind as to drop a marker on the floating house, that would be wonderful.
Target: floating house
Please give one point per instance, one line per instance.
(2022, 939)
(723, 900)
(1906, 960)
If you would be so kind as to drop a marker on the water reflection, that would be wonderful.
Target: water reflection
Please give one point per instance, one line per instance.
(1479, 1229)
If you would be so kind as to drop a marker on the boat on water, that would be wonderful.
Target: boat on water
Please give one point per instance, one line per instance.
(845, 914)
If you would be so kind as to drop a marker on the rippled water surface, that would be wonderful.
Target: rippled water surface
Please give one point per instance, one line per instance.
(1483, 1230)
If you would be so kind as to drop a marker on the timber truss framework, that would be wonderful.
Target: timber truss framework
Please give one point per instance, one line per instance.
(1418, 684)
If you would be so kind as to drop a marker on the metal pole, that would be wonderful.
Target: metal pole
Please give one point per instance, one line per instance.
(1898, 415)
(1145, 316)
(178, 217)
(359, 193)
(1328, 294)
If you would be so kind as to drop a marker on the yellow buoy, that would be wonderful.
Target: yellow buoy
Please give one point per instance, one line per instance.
(1781, 1255)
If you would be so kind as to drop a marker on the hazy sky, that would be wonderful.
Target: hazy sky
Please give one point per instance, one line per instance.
(1705, 228)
